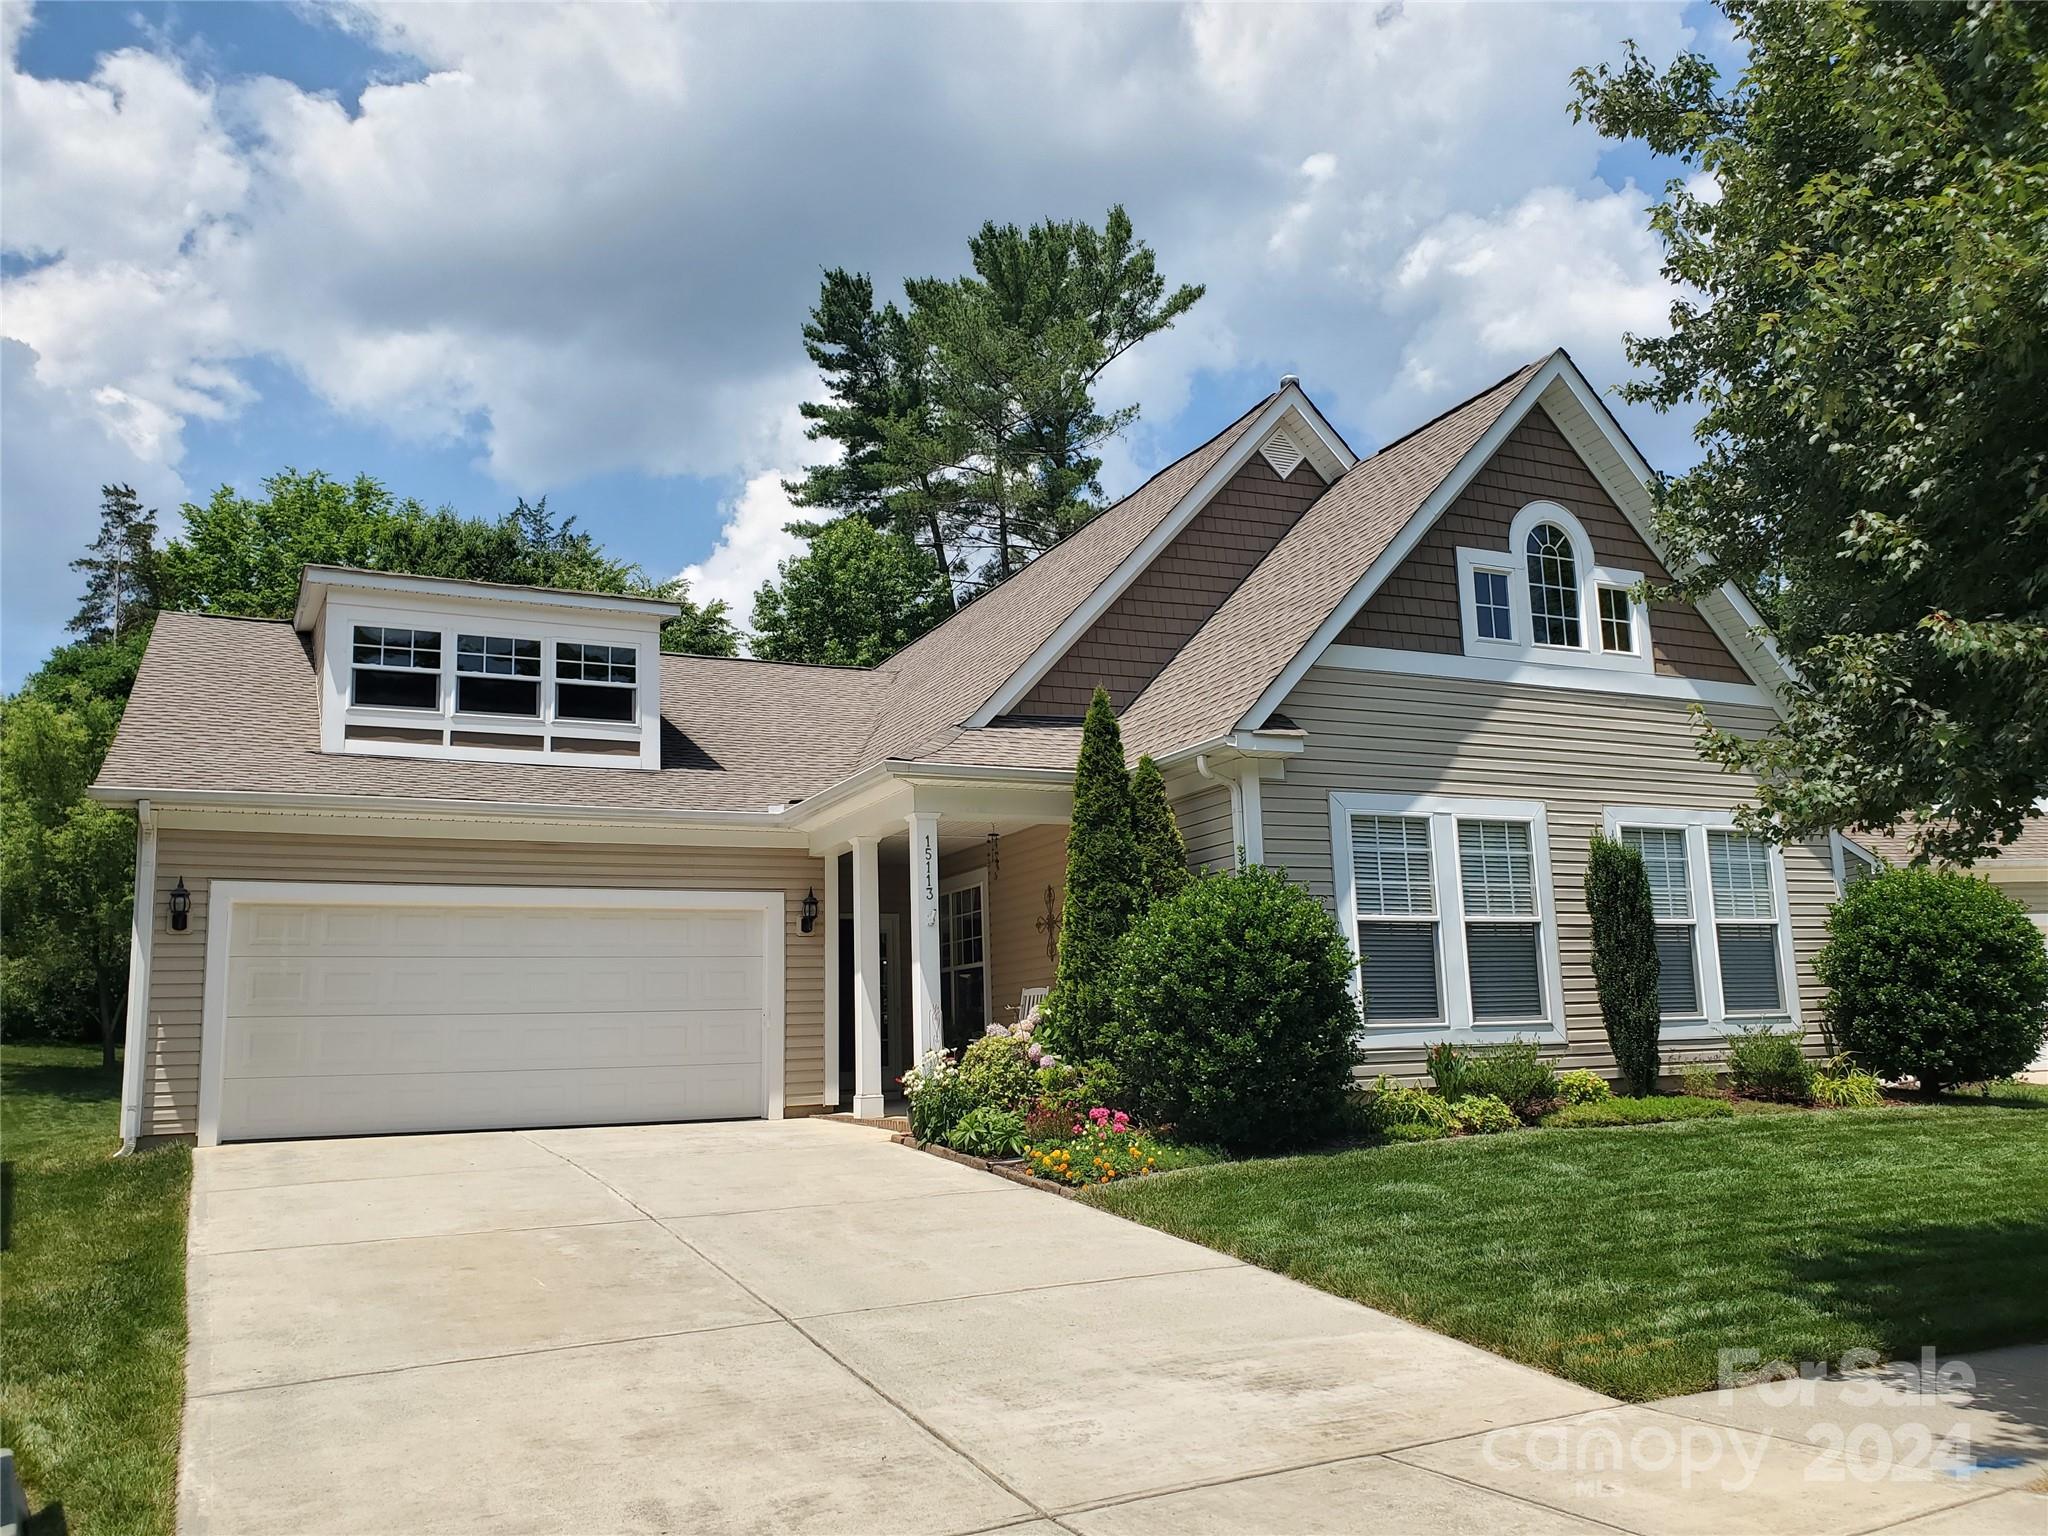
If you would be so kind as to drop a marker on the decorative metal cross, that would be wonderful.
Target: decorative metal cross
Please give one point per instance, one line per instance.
(1049, 925)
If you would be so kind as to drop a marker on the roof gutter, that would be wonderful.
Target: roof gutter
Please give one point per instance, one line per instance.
(1235, 744)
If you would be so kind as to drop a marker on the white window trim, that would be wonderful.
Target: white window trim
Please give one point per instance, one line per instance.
(225, 897)
(1841, 850)
(1513, 561)
(1454, 991)
(960, 882)
(1713, 1021)
(338, 711)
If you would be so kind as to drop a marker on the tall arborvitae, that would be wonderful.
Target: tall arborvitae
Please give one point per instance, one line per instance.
(1162, 852)
(121, 571)
(1103, 890)
(1625, 964)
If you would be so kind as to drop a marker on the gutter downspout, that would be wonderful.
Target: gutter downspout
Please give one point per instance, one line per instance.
(1238, 853)
(142, 929)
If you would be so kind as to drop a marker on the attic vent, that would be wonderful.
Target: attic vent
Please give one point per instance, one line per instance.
(1282, 452)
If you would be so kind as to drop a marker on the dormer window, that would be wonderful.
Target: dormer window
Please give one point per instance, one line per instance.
(396, 668)
(497, 675)
(1544, 599)
(595, 682)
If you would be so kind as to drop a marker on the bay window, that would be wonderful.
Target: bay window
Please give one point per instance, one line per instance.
(1448, 901)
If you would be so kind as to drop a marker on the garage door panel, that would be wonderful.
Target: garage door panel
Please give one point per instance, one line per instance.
(320, 985)
(486, 932)
(356, 1018)
(389, 1046)
(462, 1101)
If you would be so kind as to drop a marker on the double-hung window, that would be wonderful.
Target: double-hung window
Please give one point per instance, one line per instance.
(497, 675)
(1449, 903)
(595, 682)
(1719, 902)
(395, 668)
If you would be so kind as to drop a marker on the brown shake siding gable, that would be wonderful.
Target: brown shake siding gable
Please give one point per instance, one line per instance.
(1175, 595)
(1416, 609)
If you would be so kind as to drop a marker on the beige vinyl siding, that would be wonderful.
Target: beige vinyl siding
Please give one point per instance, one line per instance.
(1578, 752)
(1030, 862)
(170, 1091)
(2031, 894)
(1204, 818)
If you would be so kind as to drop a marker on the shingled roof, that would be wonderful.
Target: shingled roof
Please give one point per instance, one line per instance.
(233, 704)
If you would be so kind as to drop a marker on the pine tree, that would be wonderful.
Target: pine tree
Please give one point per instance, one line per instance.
(1102, 887)
(121, 571)
(1162, 852)
(1625, 965)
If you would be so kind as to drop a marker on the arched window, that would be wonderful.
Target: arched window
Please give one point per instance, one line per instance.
(1553, 587)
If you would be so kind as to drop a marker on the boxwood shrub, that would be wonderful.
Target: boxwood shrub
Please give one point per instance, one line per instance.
(1935, 976)
(1234, 1019)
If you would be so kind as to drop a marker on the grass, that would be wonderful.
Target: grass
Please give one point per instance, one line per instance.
(1650, 1111)
(1627, 1259)
(92, 1330)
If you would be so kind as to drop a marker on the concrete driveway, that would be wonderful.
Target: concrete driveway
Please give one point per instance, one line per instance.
(800, 1326)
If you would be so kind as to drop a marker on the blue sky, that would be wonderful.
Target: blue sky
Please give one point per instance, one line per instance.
(483, 253)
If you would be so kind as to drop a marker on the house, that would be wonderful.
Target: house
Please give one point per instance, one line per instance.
(437, 855)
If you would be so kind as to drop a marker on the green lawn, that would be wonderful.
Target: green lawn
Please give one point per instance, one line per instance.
(1627, 1259)
(92, 1300)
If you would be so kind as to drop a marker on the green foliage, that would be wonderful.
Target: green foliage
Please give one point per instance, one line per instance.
(1700, 1080)
(1099, 1156)
(90, 672)
(1418, 1130)
(121, 570)
(1865, 295)
(1391, 1106)
(1582, 1087)
(987, 1131)
(1162, 852)
(1648, 1110)
(1625, 964)
(1450, 1068)
(1838, 1085)
(853, 598)
(937, 1098)
(1934, 976)
(967, 420)
(1102, 889)
(1767, 1063)
(995, 1073)
(1484, 1115)
(1513, 1072)
(66, 874)
(1234, 1015)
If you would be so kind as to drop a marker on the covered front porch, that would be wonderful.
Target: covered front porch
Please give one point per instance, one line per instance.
(940, 916)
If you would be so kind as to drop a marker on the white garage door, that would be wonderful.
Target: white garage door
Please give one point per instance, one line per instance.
(343, 1017)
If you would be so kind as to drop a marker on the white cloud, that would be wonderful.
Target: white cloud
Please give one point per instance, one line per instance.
(752, 543)
(583, 240)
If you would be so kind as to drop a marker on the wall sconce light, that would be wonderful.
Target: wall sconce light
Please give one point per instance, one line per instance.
(181, 906)
(810, 910)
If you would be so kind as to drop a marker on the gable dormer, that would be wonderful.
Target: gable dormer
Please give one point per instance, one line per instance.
(421, 666)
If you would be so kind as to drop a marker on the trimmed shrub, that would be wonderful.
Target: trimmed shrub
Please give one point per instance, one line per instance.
(1392, 1106)
(988, 1132)
(1102, 888)
(1700, 1080)
(1842, 1087)
(1645, 1111)
(1483, 1115)
(1418, 1130)
(1767, 1063)
(995, 1072)
(1513, 1072)
(1450, 1068)
(1625, 965)
(1934, 976)
(1162, 851)
(1235, 1019)
(1582, 1087)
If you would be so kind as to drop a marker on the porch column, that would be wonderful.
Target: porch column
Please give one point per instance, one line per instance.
(830, 1098)
(926, 1017)
(867, 980)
